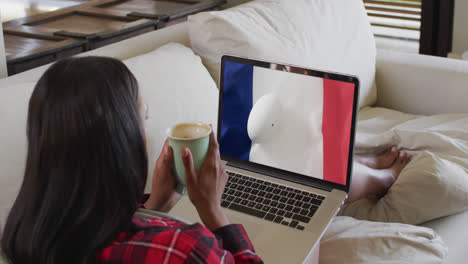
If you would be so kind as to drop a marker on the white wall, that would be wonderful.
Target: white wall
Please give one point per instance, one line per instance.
(460, 27)
(3, 67)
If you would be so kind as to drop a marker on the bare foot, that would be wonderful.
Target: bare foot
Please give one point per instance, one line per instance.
(387, 177)
(399, 164)
(381, 161)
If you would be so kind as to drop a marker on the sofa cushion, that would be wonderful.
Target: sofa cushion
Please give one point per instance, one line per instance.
(177, 88)
(322, 34)
(452, 232)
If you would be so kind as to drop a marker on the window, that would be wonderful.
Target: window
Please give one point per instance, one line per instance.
(395, 18)
(428, 23)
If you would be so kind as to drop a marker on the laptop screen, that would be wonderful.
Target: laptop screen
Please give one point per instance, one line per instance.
(287, 118)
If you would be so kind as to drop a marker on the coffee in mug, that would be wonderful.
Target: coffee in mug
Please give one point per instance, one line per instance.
(189, 131)
(194, 136)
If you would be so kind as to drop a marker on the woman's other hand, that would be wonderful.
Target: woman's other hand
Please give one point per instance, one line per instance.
(163, 195)
(206, 187)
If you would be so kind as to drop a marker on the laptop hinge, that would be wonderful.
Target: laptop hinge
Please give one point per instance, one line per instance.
(279, 175)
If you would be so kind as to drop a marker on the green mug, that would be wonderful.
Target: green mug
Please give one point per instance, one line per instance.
(194, 136)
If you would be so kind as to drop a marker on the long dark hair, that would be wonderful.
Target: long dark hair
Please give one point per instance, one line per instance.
(86, 165)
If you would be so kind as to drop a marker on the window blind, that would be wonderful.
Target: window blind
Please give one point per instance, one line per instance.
(395, 18)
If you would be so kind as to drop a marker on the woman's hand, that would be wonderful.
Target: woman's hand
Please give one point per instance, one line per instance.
(206, 187)
(163, 195)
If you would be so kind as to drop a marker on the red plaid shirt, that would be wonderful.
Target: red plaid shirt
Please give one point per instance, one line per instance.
(161, 240)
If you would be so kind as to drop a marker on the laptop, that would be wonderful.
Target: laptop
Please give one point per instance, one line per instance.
(286, 137)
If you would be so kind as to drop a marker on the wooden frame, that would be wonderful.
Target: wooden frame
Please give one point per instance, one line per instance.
(39, 55)
(119, 24)
(41, 39)
(192, 7)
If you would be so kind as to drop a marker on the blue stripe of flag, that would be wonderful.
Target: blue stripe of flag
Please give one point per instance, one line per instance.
(237, 104)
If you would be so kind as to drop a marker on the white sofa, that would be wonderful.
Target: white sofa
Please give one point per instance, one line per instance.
(409, 83)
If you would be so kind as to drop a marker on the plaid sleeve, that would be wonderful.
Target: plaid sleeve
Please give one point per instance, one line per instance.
(234, 239)
(160, 240)
(208, 247)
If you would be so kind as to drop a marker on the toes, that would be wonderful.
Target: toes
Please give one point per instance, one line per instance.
(391, 156)
(405, 158)
(401, 157)
(394, 151)
(408, 158)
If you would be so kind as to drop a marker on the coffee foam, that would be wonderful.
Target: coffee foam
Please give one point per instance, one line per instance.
(190, 130)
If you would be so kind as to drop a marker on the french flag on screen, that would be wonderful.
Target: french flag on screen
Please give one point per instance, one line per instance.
(286, 120)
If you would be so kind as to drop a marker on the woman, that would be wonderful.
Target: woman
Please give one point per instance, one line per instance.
(85, 176)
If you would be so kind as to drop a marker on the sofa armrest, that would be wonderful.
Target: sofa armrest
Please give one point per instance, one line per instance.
(420, 84)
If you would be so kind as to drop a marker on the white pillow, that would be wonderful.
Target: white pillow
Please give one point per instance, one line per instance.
(434, 184)
(177, 88)
(14, 101)
(352, 241)
(332, 35)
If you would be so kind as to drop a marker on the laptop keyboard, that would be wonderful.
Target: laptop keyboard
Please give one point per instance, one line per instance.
(273, 202)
